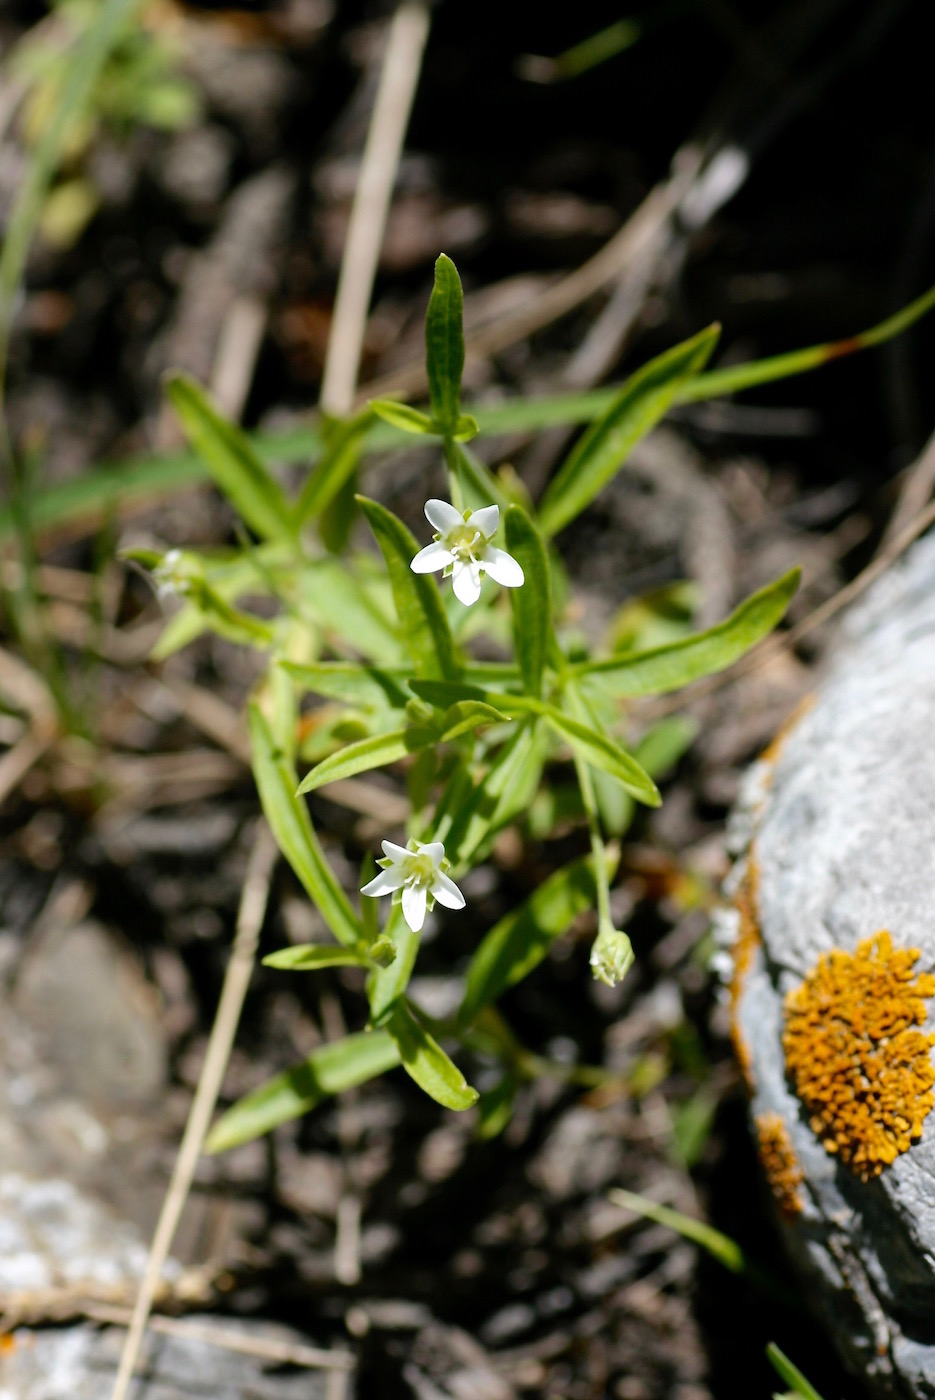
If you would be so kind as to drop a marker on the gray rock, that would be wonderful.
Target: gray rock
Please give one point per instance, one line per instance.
(835, 841)
(79, 1363)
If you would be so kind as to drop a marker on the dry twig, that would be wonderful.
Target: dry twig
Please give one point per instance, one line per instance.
(236, 979)
(398, 79)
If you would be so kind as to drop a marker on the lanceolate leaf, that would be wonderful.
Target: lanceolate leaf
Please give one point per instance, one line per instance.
(670, 667)
(331, 1069)
(505, 790)
(422, 617)
(309, 957)
(798, 1383)
(374, 752)
(520, 941)
(353, 682)
(402, 416)
(444, 343)
(468, 715)
(295, 836)
(236, 468)
(531, 604)
(113, 484)
(601, 451)
(602, 753)
(426, 1062)
(343, 444)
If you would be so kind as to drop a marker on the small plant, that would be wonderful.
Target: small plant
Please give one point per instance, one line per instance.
(392, 657)
(139, 84)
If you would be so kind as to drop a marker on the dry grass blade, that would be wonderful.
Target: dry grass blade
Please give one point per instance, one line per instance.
(398, 79)
(17, 761)
(783, 641)
(268, 1348)
(239, 970)
(628, 245)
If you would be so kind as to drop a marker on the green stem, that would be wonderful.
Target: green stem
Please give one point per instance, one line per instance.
(454, 480)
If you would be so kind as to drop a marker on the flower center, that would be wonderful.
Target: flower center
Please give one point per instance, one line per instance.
(420, 869)
(462, 541)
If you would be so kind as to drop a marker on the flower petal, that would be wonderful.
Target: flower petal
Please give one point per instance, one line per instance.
(433, 556)
(465, 580)
(502, 567)
(443, 516)
(415, 898)
(435, 850)
(393, 852)
(384, 882)
(447, 892)
(486, 520)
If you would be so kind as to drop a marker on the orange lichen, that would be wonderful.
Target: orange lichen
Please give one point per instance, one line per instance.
(743, 949)
(780, 1163)
(854, 1056)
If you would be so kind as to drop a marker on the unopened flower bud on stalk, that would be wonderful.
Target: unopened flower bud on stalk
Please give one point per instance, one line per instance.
(611, 955)
(418, 872)
(462, 550)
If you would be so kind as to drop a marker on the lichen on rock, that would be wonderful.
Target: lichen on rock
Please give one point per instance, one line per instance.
(855, 1056)
(780, 1164)
(834, 1019)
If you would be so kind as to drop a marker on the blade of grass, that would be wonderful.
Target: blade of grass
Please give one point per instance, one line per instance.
(90, 58)
(136, 480)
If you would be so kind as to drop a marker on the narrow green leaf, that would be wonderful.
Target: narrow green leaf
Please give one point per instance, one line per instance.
(602, 753)
(791, 1374)
(419, 607)
(495, 1108)
(295, 836)
(219, 616)
(467, 715)
(402, 416)
(353, 682)
(720, 1246)
(237, 470)
(597, 456)
(532, 603)
(386, 985)
(425, 1061)
(342, 443)
(309, 957)
(331, 1069)
(114, 484)
(505, 791)
(444, 694)
(374, 752)
(671, 667)
(444, 343)
(521, 939)
(70, 104)
(353, 606)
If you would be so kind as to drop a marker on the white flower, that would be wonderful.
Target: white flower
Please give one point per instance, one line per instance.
(463, 550)
(419, 871)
